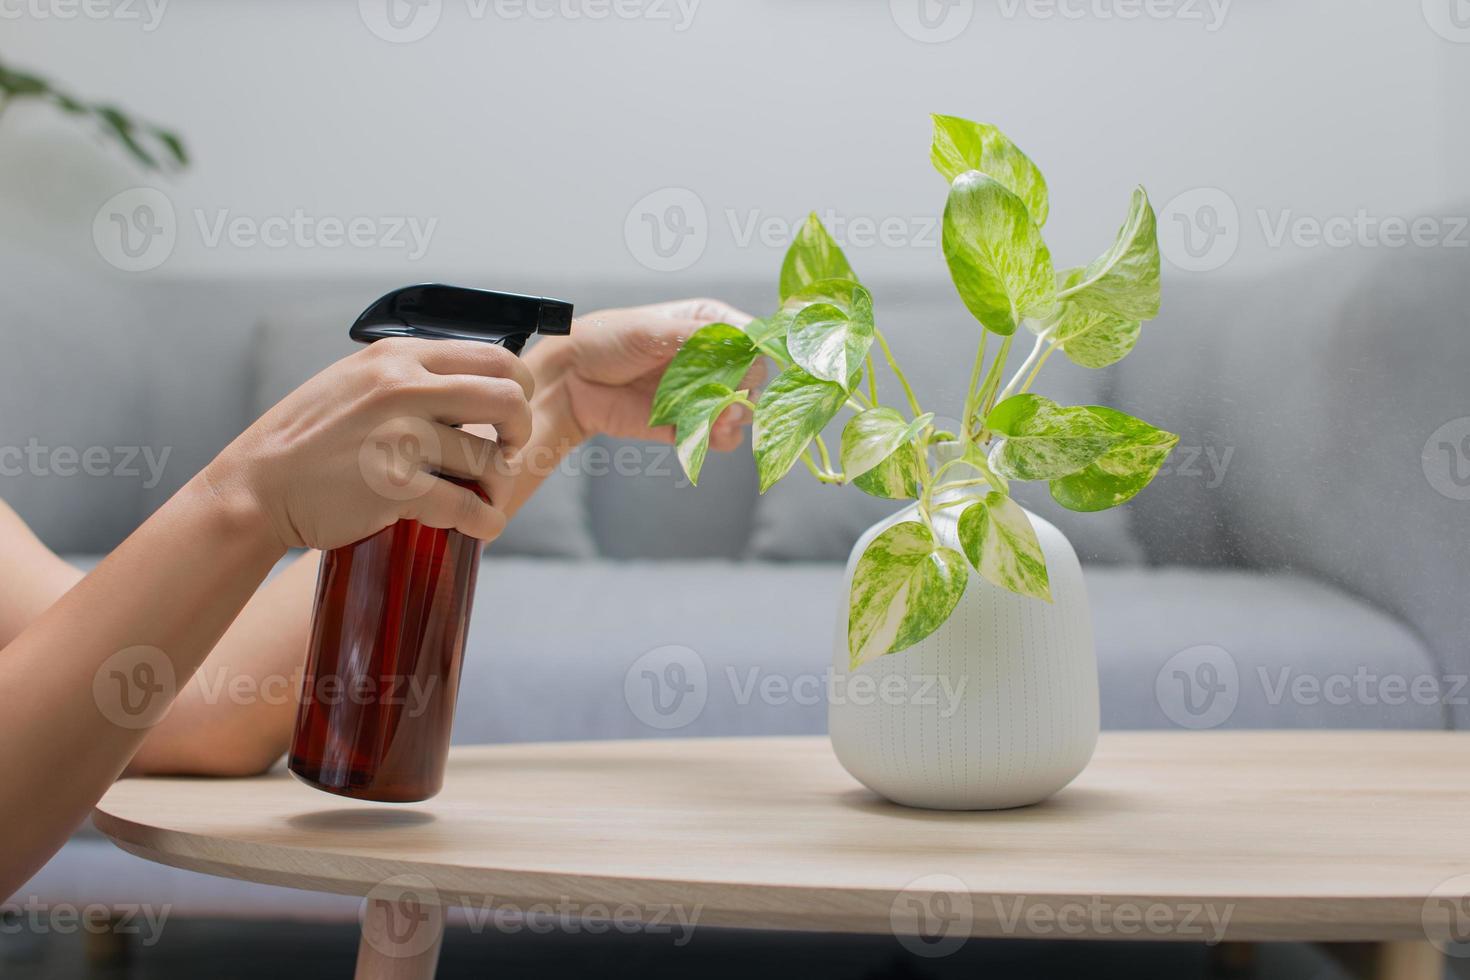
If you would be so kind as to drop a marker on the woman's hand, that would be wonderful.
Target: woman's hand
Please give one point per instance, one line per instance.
(359, 446)
(602, 378)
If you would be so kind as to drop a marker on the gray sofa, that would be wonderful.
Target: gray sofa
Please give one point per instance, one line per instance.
(1302, 544)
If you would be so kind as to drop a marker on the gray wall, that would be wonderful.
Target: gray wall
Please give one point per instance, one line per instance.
(530, 141)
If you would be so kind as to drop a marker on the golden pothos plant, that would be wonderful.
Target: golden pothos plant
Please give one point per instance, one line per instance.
(823, 336)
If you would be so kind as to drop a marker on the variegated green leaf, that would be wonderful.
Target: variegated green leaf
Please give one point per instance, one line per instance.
(999, 263)
(961, 146)
(769, 336)
(1001, 543)
(1043, 440)
(813, 256)
(872, 436)
(1124, 280)
(904, 587)
(832, 343)
(1119, 474)
(1093, 338)
(697, 414)
(716, 354)
(794, 408)
(895, 478)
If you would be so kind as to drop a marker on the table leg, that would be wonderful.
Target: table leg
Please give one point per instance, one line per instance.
(1407, 960)
(399, 942)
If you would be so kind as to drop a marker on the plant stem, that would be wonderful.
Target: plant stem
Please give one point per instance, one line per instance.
(986, 399)
(975, 374)
(826, 457)
(821, 475)
(961, 484)
(1031, 378)
(898, 373)
(1026, 366)
(872, 380)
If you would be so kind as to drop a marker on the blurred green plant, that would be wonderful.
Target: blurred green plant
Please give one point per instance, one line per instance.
(153, 147)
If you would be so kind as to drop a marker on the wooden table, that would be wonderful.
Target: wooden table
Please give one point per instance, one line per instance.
(1201, 837)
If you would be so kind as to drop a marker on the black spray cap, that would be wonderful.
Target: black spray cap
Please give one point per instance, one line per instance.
(442, 312)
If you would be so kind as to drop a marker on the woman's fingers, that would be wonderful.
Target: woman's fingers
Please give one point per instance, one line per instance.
(461, 357)
(447, 505)
(472, 457)
(470, 399)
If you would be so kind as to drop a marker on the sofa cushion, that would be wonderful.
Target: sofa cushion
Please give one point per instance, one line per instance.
(580, 650)
(296, 343)
(76, 449)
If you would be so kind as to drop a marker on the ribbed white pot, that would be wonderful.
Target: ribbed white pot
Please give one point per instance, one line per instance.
(998, 708)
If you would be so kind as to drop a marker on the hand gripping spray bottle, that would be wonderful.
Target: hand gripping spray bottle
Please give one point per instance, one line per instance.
(392, 610)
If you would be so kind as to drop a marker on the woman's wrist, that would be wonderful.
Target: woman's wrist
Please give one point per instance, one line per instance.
(236, 508)
(555, 420)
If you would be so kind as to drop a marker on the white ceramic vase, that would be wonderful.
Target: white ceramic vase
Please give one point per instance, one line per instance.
(998, 708)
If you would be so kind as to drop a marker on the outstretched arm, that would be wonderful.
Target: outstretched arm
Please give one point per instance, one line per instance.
(89, 676)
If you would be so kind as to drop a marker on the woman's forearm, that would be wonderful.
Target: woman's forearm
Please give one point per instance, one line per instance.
(87, 678)
(235, 717)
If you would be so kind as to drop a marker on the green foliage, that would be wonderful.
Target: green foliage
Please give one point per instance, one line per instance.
(825, 338)
(153, 147)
